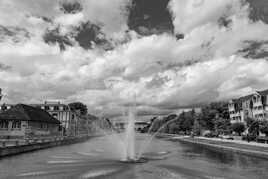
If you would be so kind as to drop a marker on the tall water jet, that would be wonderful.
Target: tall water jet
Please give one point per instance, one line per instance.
(130, 136)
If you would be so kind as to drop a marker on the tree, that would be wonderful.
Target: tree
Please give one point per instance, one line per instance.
(238, 128)
(78, 106)
(249, 121)
(197, 127)
(186, 121)
(264, 127)
(254, 128)
(222, 125)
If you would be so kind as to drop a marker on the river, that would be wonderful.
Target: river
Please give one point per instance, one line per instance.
(96, 158)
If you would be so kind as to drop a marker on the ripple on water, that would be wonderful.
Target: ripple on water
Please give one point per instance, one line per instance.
(98, 173)
(163, 152)
(62, 161)
(61, 157)
(31, 174)
(156, 155)
(87, 154)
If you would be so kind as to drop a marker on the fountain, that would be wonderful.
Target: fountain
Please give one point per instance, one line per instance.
(123, 145)
(130, 155)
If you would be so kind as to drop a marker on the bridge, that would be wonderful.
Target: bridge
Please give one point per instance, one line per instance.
(121, 125)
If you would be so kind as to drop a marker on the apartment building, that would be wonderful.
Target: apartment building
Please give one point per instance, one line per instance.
(235, 111)
(253, 106)
(260, 105)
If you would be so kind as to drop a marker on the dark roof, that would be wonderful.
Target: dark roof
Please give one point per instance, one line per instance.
(263, 93)
(24, 112)
(48, 104)
(244, 98)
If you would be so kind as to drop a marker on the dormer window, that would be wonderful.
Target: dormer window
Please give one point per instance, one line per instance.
(46, 108)
(56, 108)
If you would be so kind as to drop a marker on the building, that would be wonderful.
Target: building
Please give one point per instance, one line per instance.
(260, 105)
(235, 111)
(62, 112)
(23, 121)
(251, 106)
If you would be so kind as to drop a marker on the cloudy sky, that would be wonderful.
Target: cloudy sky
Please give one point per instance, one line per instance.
(163, 54)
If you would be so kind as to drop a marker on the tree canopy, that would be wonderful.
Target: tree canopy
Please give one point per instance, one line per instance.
(78, 106)
(238, 127)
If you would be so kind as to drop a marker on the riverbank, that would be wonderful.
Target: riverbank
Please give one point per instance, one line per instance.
(41, 144)
(241, 147)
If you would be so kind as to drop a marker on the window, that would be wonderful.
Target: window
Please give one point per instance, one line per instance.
(16, 124)
(46, 108)
(3, 124)
(65, 108)
(4, 107)
(56, 108)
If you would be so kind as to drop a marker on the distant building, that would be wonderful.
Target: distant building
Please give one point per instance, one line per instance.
(251, 106)
(62, 112)
(23, 121)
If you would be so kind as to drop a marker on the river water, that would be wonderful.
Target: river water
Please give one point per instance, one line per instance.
(167, 160)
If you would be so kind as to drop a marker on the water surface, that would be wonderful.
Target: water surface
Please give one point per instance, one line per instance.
(98, 158)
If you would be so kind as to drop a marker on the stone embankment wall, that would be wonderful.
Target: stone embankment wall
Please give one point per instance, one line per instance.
(221, 148)
(13, 150)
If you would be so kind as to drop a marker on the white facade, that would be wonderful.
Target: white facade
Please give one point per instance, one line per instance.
(259, 107)
(253, 106)
(235, 111)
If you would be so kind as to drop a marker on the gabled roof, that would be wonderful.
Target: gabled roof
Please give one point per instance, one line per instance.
(24, 112)
(263, 93)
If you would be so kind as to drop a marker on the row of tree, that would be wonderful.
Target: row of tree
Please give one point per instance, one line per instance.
(213, 117)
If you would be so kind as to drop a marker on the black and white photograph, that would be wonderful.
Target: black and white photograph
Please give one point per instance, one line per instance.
(133, 89)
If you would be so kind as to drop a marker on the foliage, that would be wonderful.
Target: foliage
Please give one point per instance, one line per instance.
(78, 106)
(238, 128)
(249, 121)
(213, 117)
(197, 127)
(264, 127)
(254, 128)
(222, 126)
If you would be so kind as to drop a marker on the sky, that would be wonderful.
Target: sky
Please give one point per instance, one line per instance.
(159, 54)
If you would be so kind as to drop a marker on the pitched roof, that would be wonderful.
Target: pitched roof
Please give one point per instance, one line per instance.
(244, 98)
(28, 113)
(263, 93)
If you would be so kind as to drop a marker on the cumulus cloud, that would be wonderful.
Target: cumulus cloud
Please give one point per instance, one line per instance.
(193, 13)
(160, 73)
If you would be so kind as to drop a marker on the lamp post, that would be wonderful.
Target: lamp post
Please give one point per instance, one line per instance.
(1, 94)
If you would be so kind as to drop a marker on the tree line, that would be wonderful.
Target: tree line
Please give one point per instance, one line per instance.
(213, 117)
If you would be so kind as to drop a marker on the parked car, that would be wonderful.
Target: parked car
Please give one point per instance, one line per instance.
(210, 134)
(228, 137)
